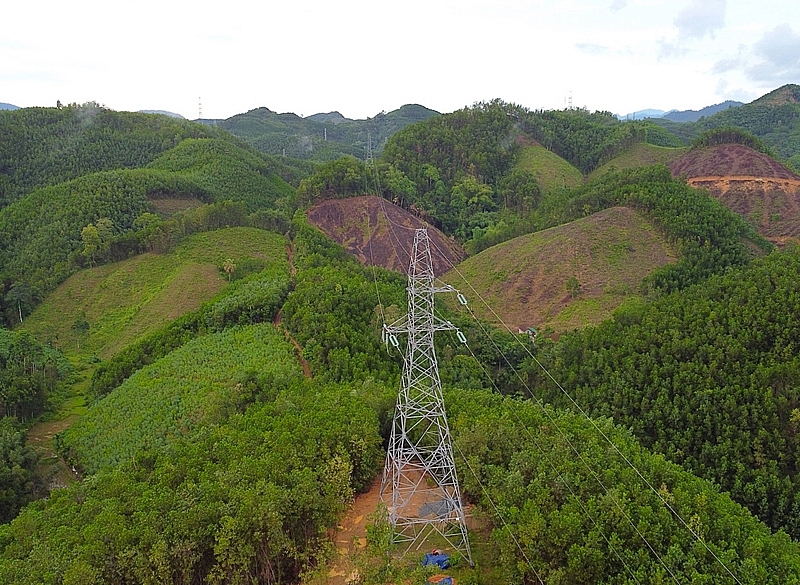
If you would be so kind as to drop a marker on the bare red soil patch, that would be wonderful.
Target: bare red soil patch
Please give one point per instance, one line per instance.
(726, 160)
(380, 233)
(772, 205)
(750, 183)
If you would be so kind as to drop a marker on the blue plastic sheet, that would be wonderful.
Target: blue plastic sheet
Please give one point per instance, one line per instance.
(440, 560)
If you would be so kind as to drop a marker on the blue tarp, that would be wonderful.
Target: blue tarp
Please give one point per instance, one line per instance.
(440, 560)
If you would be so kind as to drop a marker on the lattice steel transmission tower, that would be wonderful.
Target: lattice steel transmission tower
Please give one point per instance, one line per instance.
(420, 487)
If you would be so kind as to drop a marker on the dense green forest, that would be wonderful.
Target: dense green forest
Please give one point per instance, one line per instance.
(560, 493)
(110, 172)
(17, 466)
(241, 481)
(29, 373)
(708, 377)
(30, 376)
(208, 456)
(46, 146)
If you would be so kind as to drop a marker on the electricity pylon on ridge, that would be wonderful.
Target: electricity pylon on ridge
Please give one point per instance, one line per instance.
(420, 487)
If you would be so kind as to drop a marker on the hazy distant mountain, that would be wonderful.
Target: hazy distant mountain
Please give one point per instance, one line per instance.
(642, 114)
(322, 136)
(681, 116)
(695, 115)
(163, 113)
(4, 106)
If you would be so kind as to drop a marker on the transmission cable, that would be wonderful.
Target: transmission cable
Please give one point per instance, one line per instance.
(542, 451)
(566, 439)
(574, 449)
(630, 464)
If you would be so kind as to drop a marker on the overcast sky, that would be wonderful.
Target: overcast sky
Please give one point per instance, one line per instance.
(359, 57)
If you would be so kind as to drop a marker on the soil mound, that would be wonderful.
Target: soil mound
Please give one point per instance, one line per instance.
(750, 183)
(380, 233)
(772, 205)
(726, 160)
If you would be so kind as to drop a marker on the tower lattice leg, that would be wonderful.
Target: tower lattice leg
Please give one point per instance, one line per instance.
(420, 486)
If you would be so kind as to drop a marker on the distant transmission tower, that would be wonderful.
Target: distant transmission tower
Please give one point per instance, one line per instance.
(371, 170)
(420, 487)
(200, 108)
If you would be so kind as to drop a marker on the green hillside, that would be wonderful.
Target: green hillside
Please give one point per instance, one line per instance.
(41, 234)
(232, 425)
(552, 171)
(225, 171)
(321, 137)
(46, 146)
(640, 155)
(589, 139)
(196, 385)
(525, 282)
(101, 310)
(707, 377)
(222, 450)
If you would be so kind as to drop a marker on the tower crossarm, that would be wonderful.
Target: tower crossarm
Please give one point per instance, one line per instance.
(403, 325)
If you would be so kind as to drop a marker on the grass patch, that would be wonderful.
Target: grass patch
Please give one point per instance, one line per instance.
(526, 280)
(198, 384)
(552, 171)
(639, 155)
(99, 311)
(580, 313)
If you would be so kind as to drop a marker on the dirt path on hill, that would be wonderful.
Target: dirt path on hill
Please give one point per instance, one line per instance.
(303, 362)
(52, 468)
(290, 257)
(277, 322)
(351, 536)
(41, 433)
(729, 178)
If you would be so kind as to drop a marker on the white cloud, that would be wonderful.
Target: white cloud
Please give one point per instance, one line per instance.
(618, 5)
(779, 51)
(667, 50)
(725, 65)
(592, 49)
(358, 57)
(701, 18)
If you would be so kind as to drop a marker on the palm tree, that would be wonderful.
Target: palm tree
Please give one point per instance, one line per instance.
(229, 266)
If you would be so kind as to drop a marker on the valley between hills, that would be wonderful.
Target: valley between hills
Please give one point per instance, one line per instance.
(194, 387)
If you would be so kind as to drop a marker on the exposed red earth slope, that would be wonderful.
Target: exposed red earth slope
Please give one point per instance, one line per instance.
(750, 183)
(380, 233)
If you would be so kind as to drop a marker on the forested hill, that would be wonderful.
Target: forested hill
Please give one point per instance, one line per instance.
(216, 459)
(708, 377)
(226, 445)
(45, 146)
(464, 173)
(321, 137)
(84, 185)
